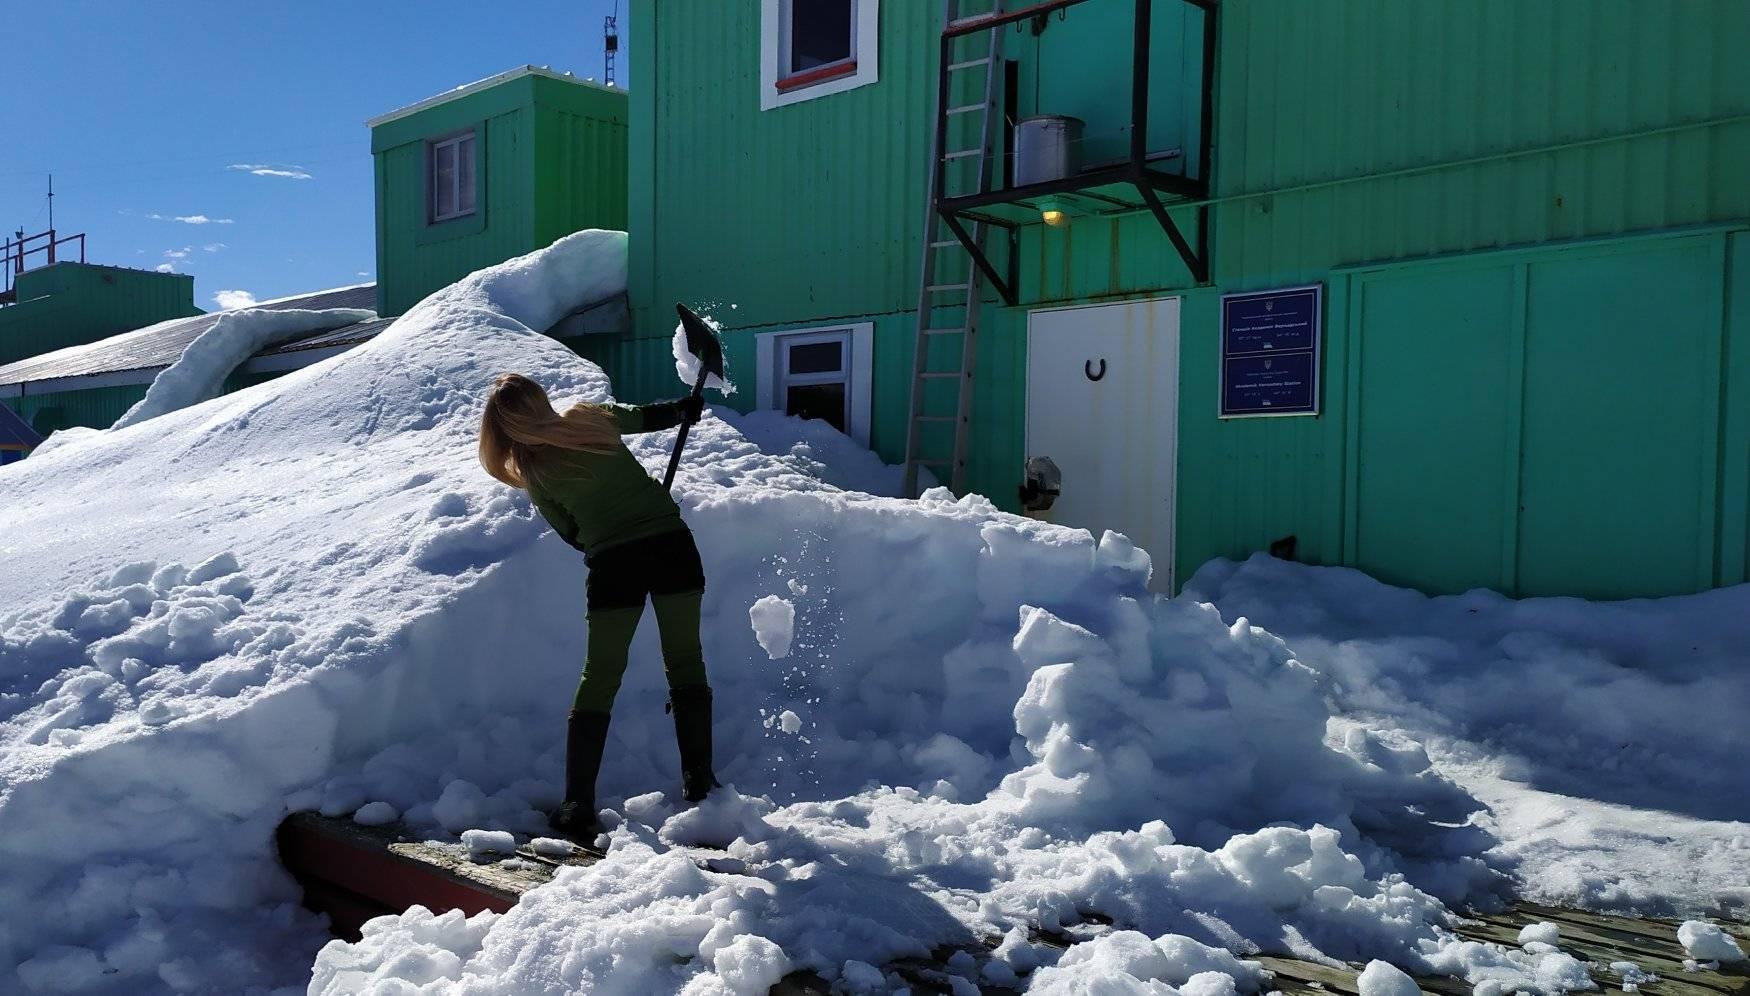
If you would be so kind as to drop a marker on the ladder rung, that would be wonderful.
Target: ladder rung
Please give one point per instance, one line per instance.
(940, 374)
(932, 288)
(966, 108)
(944, 331)
(963, 153)
(955, 67)
(945, 243)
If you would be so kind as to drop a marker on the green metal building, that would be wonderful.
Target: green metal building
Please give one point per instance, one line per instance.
(493, 170)
(70, 304)
(1521, 226)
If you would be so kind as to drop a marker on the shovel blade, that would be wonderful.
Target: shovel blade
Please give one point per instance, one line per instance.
(701, 341)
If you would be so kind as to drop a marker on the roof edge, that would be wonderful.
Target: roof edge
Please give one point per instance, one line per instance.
(487, 83)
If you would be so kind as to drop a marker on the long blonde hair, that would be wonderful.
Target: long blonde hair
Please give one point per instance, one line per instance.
(519, 425)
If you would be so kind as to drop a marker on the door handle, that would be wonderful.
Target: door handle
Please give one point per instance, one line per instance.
(1088, 369)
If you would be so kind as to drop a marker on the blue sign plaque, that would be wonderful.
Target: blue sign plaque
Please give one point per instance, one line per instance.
(1270, 352)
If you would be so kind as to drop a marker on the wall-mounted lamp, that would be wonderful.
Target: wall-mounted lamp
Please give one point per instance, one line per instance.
(1053, 213)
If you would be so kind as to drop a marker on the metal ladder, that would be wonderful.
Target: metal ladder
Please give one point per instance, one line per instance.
(958, 167)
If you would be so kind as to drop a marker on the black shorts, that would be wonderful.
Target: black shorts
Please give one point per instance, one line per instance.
(624, 575)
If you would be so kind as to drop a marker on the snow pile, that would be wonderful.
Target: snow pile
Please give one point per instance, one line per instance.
(1605, 737)
(199, 373)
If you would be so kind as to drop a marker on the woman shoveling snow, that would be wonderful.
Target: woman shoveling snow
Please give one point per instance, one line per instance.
(598, 498)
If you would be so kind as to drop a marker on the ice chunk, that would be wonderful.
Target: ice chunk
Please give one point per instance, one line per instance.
(790, 722)
(375, 814)
(1544, 932)
(1381, 978)
(553, 847)
(1707, 942)
(483, 842)
(774, 624)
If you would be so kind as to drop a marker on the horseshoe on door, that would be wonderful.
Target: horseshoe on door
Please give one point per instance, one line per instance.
(1088, 369)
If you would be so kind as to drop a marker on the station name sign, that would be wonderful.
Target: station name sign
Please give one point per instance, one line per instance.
(1270, 352)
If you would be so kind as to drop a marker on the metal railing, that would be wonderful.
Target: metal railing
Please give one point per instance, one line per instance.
(15, 254)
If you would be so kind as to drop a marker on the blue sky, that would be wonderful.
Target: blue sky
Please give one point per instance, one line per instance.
(144, 111)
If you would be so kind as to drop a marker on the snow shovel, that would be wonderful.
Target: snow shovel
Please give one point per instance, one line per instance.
(703, 344)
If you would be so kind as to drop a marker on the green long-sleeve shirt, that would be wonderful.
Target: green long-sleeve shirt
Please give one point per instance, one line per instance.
(599, 500)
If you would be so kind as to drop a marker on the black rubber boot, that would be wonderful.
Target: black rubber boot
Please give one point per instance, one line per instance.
(692, 731)
(586, 734)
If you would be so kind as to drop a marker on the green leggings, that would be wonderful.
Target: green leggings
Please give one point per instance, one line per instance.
(610, 640)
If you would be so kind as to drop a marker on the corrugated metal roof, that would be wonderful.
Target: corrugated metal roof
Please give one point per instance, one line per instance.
(350, 335)
(15, 434)
(160, 345)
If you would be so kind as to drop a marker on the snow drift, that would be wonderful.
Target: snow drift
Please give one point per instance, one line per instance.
(308, 595)
(1607, 738)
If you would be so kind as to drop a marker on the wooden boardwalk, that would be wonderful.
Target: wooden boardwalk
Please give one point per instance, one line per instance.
(353, 873)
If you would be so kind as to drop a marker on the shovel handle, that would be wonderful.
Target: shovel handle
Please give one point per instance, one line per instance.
(680, 441)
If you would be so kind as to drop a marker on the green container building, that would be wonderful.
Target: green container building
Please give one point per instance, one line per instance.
(1525, 220)
(71, 304)
(493, 170)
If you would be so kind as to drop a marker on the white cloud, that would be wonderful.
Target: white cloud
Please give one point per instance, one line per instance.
(228, 299)
(267, 169)
(364, 273)
(178, 253)
(165, 268)
(191, 219)
(214, 246)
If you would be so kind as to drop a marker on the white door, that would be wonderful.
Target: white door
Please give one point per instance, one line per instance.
(1103, 404)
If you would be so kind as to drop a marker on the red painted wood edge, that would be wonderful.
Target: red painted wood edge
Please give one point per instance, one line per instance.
(814, 76)
(382, 875)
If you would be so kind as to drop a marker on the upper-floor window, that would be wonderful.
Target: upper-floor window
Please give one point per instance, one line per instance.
(820, 36)
(452, 173)
(811, 48)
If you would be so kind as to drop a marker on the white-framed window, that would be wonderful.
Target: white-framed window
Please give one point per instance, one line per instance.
(821, 373)
(450, 172)
(812, 48)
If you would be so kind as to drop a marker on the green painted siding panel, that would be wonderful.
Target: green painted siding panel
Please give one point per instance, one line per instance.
(580, 174)
(97, 408)
(1435, 364)
(799, 213)
(1621, 371)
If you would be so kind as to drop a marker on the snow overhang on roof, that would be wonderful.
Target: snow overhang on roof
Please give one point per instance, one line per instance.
(135, 357)
(485, 84)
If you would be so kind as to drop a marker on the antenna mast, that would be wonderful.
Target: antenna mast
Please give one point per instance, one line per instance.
(610, 44)
(51, 202)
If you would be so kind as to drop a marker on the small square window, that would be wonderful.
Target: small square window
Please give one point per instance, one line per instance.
(814, 48)
(813, 377)
(452, 177)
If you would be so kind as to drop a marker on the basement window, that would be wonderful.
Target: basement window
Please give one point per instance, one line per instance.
(811, 48)
(451, 176)
(821, 373)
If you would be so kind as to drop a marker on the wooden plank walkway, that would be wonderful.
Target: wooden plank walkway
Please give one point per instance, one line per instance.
(353, 873)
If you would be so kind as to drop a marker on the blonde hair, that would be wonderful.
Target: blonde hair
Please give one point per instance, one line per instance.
(519, 427)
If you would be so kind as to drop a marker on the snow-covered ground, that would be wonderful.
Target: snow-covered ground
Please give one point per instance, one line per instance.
(940, 722)
(1608, 740)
